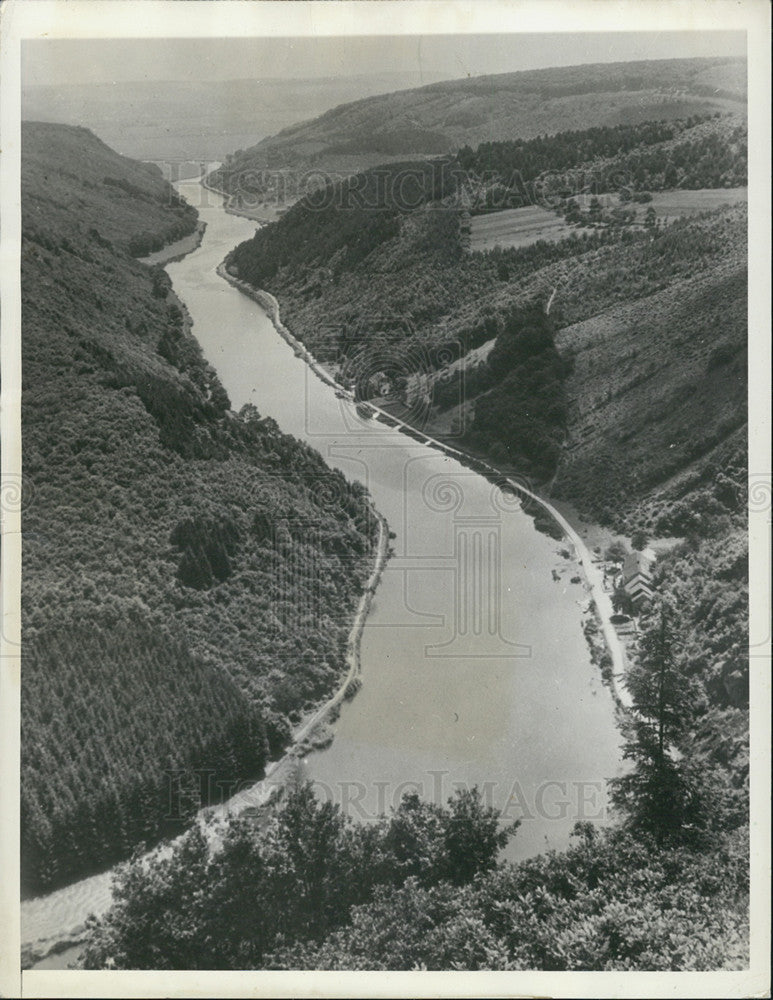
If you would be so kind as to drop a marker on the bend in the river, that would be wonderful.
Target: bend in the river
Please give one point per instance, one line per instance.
(474, 665)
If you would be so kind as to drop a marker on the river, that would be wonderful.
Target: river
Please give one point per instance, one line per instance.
(474, 666)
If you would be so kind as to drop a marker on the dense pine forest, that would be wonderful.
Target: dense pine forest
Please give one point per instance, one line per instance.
(174, 627)
(699, 152)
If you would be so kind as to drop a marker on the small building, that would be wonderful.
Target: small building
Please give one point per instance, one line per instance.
(637, 578)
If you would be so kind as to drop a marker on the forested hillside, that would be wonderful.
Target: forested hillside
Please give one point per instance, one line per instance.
(378, 264)
(127, 203)
(609, 367)
(189, 574)
(627, 398)
(689, 154)
(443, 117)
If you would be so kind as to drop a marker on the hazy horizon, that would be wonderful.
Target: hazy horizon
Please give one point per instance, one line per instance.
(196, 98)
(59, 62)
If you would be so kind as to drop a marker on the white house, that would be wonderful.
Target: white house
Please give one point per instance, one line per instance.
(637, 578)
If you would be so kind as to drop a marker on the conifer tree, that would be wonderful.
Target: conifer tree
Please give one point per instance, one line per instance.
(654, 794)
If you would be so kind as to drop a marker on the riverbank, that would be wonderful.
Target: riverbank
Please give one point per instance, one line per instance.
(262, 214)
(600, 599)
(280, 772)
(177, 250)
(55, 922)
(270, 306)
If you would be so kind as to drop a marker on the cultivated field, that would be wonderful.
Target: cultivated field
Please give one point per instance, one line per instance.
(517, 227)
(674, 204)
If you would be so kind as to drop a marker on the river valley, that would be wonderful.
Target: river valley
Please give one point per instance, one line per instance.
(474, 666)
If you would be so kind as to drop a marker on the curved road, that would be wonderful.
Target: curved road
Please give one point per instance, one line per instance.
(592, 575)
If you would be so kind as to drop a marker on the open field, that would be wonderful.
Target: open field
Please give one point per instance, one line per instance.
(674, 204)
(517, 227)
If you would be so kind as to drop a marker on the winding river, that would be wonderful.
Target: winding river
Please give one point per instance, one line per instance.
(474, 666)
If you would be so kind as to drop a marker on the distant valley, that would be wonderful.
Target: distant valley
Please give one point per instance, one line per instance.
(184, 121)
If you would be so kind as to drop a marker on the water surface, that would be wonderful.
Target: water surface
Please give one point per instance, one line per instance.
(475, 669)
(474, 666)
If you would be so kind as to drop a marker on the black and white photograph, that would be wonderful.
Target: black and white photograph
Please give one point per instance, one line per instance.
(386, 498)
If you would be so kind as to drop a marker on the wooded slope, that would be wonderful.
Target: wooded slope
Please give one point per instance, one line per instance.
(443, 117)
(189, 575)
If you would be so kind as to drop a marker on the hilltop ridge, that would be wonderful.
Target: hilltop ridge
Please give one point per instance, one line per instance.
(441, 117)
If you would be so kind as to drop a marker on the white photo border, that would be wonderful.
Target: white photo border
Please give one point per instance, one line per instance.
(102, 19)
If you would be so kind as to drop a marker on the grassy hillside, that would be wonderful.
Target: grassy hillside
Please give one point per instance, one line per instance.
(443, 117)
(173, 620)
